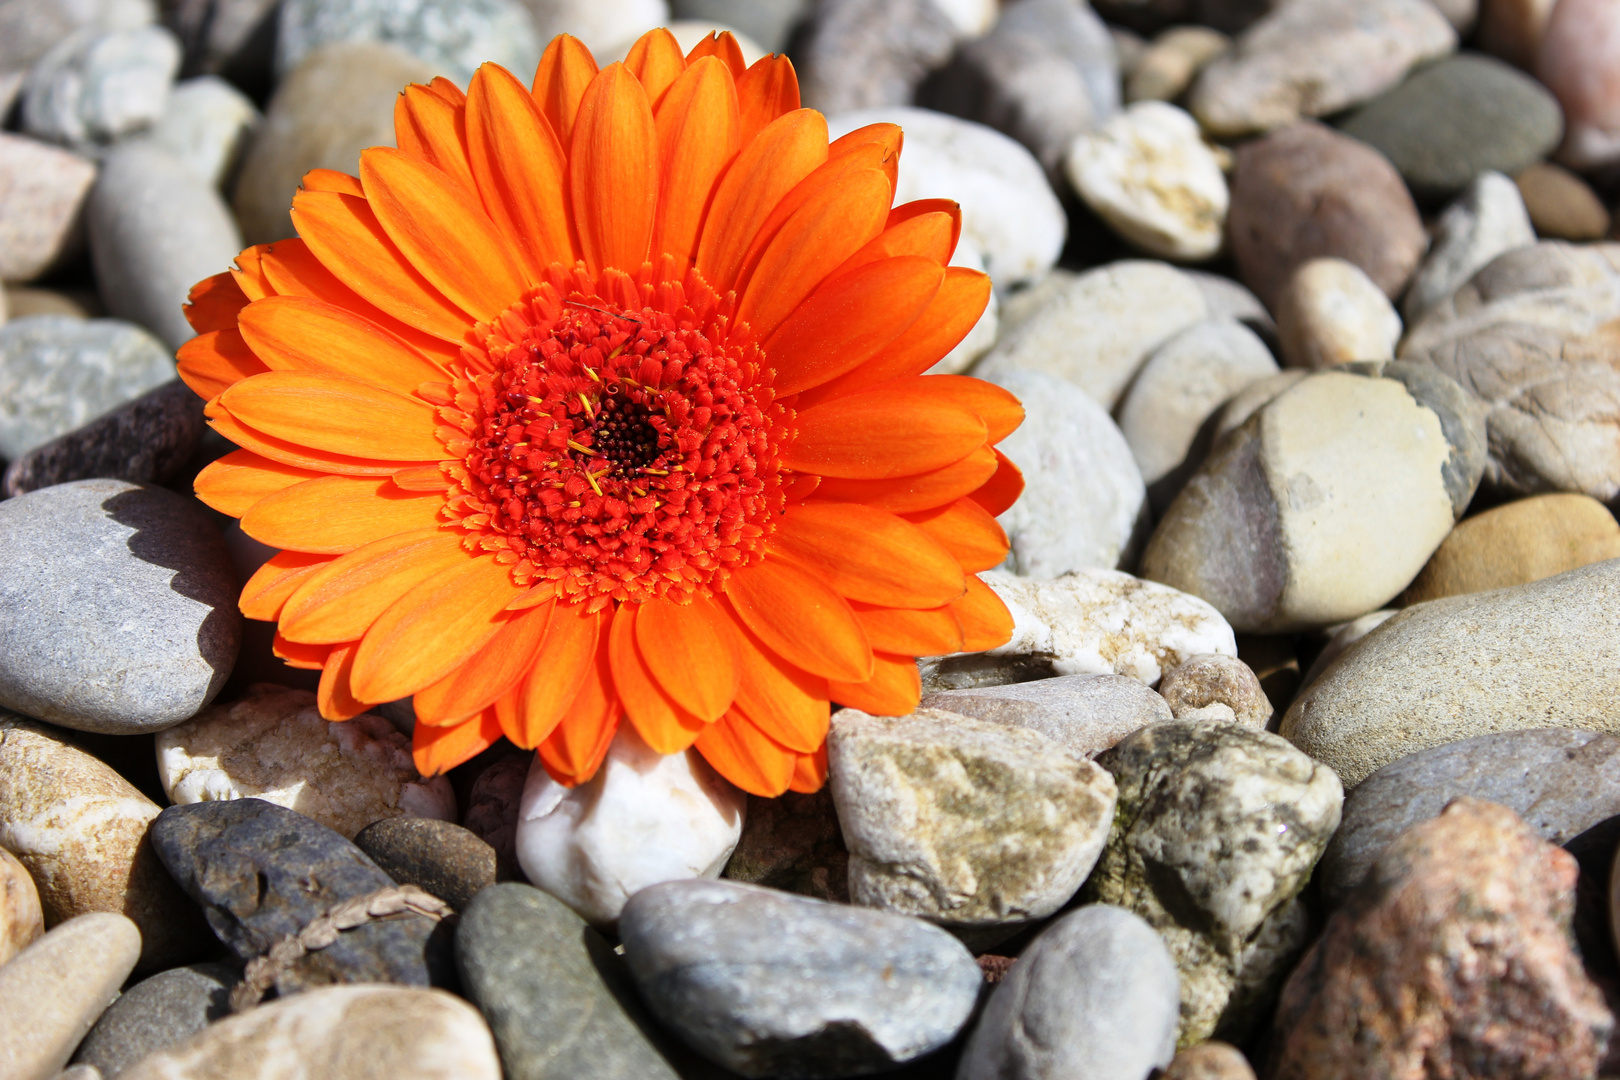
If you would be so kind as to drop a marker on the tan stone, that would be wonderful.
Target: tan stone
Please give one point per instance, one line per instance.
(22, 301)
(1170, 62)
(57, 987)
(21, 920)
(1332, 313)
(42, 193)
(1516, 544)
(1216, 687)
(1561, 205)
(1210, 1061)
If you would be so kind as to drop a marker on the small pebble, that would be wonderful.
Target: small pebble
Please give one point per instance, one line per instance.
(54, 990)
(155, 1014)
(444, 859)
(1486, 220)
(492, 809)
(1331, 313)
(602, 23)
(42, 193)
(1577, 60)
(1561, 205)
(206, 126)
(1168, 66)
(1210, 1061)
(1085, 714)
(93, 87)
(859, 55)
(1216, 687)
(454, 36)
(21, 919)
(1512, 29)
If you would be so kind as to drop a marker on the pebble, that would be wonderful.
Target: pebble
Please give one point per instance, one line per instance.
(301, 130)
(148, 440)
(1218, 828)
(369, 1032)
(860, 55)
(768, 22)
(1486, 220)
(492, 809)
(1171, 62)
(92, 88)
(1331, 313)
(1084, 502)
(1559, 781)
(793, 843)
(1534, 656)
(32, 26)
(1516, 544)
(23, 300)
(643, 818)
(273, 745)
(454, 36)
(1229, 299)
(1315, 58)
(600, 24)
(1096, 330)
(980, 827)
(157, 1013)
(233, 36)
(766, 983)
(552, 990)
(1306, 191)
(261, 871)
(438, 856)
(1577, 60)
(1250, 400)
(1526, 337)
(1095, 995)
(1216, 687)
(1210, 1061)
(156, 229)
(53, 991)
(21, 918)
(1153, 179)
(1085, 714)
(1091, 622)
(1457, 118)
(1327, 501)
(1458, 943)
(206, 127)
(117, 606)
(1184, 382)
(1561, 205)
(1340, 639)
(42, 193)
(1009, 211)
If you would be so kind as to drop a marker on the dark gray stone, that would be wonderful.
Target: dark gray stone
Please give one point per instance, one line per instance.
(157, 1013)
(146, 441)
(445, 859)
(117, 607)
(793, 843)
(1560, 782)
(556, 997)
(862, 54)
(492, 810)
(1085, 713)
(767, 983)
(262, 872)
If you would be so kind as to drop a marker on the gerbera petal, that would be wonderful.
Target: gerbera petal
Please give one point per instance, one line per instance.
(567, 658)
(662, 724)
(722, 45)
(801, 619)
(289, 453)
(613, 171)
(333, 515)
(786, 703)
(746, 756)
(849, 320)
(430, 127)
(519, 168)
(326, 412)
(348, 594)
(335, 697)
(999, 492)
(698, 135)
(332, 180)
(999, 409)
(986, 622)
(930, 235)
(284, 573)
(212, 363)
(656, 61)
(296, 654)
(249, 275)
(869, 555)
(439, 749)
(767, 90)
(893, 690)
(924, 208)
(810, 772)
(566, 69)
(575, 748)
(911, 633)
(875, 435)
(691, 651)
(233, 483)
(296, 333)
(490, 675)
(213, 303)
(875, 142)
(923, 491)
(968, 531)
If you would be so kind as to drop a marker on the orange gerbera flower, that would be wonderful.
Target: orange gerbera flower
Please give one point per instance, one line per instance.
(603, 399)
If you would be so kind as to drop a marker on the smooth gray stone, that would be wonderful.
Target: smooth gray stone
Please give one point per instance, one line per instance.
(855, 54)
(57, 373)
(555, 995)
(148, 440)
(1085, 713)
(453, 35)
(157, 1013)
(448, 861)
(767, 983)
(1094, 996)
(94, 87)
(117, 607)
(768, 22)
(1561, 782)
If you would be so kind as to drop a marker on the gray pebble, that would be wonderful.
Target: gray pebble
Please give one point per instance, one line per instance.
(769, 22)
(157, 1013)
(1213, 686)
(93, 88)
(1086, 714)
(445, 859)
(206, 127)
(42, 193)
(861, 54)
(454, 36)
(148, 440)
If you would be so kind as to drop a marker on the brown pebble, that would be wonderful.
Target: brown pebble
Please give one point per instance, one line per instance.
(1210, 1061)
(1561, 205)
(995, 968)
(21, 920)
(448, 861)
(1202, 682)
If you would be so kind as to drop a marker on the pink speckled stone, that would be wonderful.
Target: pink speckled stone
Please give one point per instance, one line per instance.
(1580, 62)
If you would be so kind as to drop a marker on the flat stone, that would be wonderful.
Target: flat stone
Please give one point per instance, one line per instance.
(1561, 205)
(443, 858)
(148, 440)
(1534, 656)
(1457, 944)
(206, 126)
(793, 843)
(607, 27)
(1217, 830)
(1085, 714)
(1313, 59)
(492, 809)
(1331, 313)
(370, 1032)
(93, 87)
(1306, 191)
(454, 36)
(21, 918)
(157, 1013)
(1210, 1061)
(42, 191)
(1216, 687)
(1457, 118)
(858, 55)
(261, 872)
(117, 607)
(273, 745)
(1168, 65)
(53, 991)
(1084, 503)
(1486, 220)
(80, 830)
(1576, 60)
(1093, 622)
(1095, 996)
(766, 983)
(1560, 782)
(980, 827)
(552, 990)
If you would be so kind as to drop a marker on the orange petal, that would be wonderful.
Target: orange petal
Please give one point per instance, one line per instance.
(923, 208)
(785, 703)
(930, 235)
(326, 412)
(656, 61)
(421, 478)
(879, 434)
(249, 274)
(999, 409)
(213, 303)
(565, 70)
(661, 723)
(1001, 490)
(447, 90)
(746, 756)
(801, 619)
(893, 690)
(911, 633)
(722, 45)
(439, 749)
(880, 142)
(520, 169)
(698, 135)
(986, 622)
(767, 90)
(241, 478)
(212, 363)
(968, 531)
(574, 750)
(332, 515)
(923, 491)
(335, 697)
(342, 601)
(691, 651)
(432, 128)
(344, 234)
(490, 675)
(288, 453)
(613, 171)
(331, 180)
(295, 333)
(869, 555)
(567, 657)
(266, 592)
(298, 655)
(810, 773)
(849, 320)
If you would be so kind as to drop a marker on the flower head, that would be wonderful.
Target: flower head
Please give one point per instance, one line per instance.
(603, 401)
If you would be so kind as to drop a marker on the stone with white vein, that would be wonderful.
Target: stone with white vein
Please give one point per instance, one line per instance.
(1486, 220)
